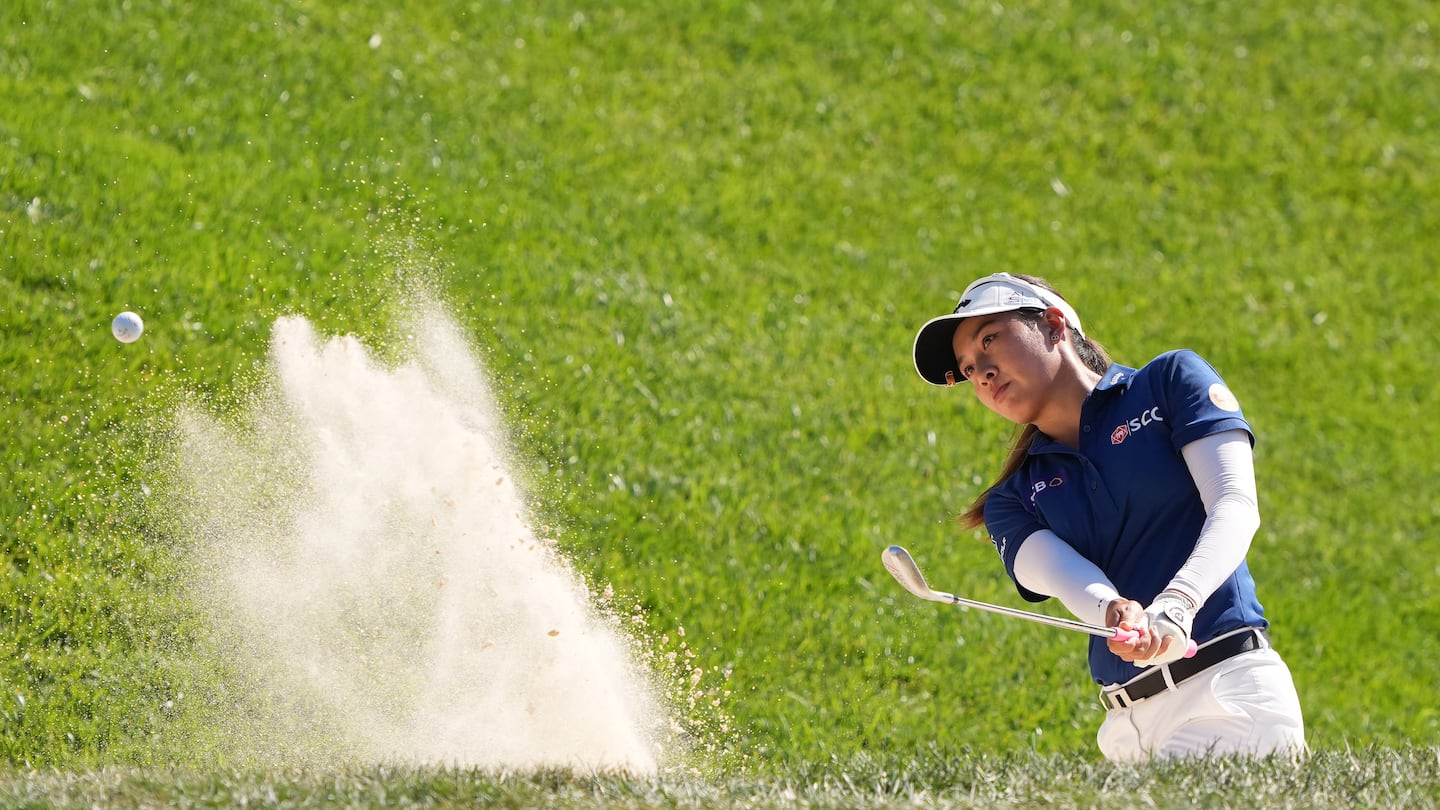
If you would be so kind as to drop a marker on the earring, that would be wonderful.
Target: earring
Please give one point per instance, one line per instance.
(1054, 338)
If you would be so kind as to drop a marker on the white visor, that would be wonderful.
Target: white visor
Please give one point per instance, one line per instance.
(1000, 292)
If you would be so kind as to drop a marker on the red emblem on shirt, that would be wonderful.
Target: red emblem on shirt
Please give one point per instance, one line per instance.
(1120, 434)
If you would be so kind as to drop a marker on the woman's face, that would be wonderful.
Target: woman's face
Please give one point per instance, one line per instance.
(1010, 360)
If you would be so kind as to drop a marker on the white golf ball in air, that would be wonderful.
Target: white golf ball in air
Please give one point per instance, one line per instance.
(127, 327)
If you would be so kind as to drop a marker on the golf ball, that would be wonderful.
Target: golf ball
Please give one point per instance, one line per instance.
(127, 327)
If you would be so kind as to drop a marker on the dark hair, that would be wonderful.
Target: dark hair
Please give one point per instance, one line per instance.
(1095, 358)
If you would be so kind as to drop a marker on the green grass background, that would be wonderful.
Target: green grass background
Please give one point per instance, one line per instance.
(693, 241)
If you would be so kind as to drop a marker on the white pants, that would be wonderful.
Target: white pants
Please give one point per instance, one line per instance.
(1242, 705)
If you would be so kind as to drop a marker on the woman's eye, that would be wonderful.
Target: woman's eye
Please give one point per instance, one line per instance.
(986, 341)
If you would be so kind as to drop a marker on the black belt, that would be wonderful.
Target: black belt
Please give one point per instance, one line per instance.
(1153, 683)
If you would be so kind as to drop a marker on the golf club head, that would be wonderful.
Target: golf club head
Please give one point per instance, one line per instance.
(900, 565)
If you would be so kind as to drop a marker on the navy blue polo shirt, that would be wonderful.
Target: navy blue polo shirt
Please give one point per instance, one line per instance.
(1125, 499)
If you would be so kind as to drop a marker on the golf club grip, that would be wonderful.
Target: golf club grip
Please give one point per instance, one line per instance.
(1131, 635)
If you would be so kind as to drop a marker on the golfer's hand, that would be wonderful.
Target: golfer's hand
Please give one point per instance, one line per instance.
(1127, 614)
(1171, 616)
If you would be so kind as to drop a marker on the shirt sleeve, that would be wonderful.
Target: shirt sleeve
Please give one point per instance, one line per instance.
(1010, 520)
(1198, 403)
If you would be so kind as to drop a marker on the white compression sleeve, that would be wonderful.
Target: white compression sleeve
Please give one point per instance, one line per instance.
(1048, 565)
(1224, 473)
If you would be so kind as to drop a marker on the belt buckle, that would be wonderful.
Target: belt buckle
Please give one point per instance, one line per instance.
(1116, 699)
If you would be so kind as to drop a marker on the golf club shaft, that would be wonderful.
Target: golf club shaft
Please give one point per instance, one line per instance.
(903, 568)
(1038, 618)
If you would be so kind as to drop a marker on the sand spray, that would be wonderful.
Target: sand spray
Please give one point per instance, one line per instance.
(372, 578)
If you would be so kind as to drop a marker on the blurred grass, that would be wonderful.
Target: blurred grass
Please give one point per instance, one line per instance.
(693, 242)
(1372, 778)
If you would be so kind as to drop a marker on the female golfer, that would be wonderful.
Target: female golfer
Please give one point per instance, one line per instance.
(1130, 496)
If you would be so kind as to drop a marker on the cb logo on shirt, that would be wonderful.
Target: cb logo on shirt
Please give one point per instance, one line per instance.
(1040, 486)
(1126, 429)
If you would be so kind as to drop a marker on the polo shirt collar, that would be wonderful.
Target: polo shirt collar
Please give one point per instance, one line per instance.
(1116, 376)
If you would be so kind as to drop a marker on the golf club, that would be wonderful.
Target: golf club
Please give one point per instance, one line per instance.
(901, 566)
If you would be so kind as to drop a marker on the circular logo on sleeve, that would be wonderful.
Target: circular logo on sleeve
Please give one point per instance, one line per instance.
(1223, 399)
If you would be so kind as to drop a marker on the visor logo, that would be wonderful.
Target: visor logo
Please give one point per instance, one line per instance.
(1126, 429)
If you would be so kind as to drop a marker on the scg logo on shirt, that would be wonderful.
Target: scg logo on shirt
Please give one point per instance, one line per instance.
(1125, 429)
